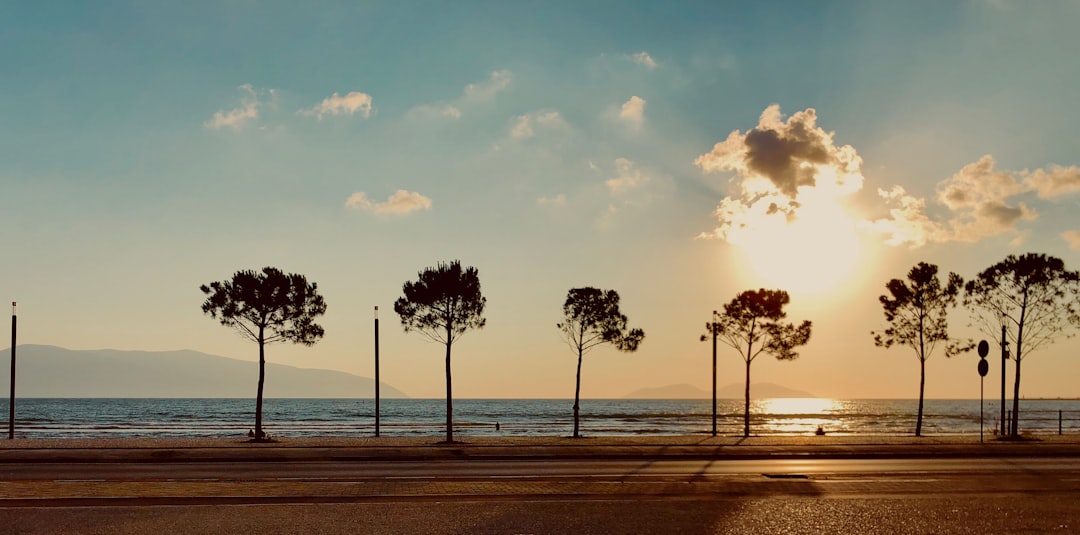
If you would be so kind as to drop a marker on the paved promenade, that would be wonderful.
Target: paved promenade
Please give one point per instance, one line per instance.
(492, 447)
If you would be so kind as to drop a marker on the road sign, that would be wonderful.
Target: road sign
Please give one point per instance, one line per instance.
(984, 349)
(984, 367)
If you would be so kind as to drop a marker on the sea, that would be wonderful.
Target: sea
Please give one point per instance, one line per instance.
(222, 418)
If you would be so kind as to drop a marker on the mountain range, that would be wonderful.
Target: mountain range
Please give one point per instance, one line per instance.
(731, 391)
(50, 371)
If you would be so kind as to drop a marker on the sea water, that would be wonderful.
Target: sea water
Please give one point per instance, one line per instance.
(124, 417)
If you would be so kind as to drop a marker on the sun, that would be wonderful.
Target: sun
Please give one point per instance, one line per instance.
(816, 250)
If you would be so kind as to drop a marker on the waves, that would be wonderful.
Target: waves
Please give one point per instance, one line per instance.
(84, 418)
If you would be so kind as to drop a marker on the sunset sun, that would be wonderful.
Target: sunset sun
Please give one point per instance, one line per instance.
(814, 252)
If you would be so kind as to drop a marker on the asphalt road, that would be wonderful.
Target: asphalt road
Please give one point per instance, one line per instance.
(984, 495)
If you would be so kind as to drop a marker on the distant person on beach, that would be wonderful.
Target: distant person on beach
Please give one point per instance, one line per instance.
(496, 426)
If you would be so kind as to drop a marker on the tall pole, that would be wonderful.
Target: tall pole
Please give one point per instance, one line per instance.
(11, 396)
(1004, 357)
(712, 328)
(376, 371)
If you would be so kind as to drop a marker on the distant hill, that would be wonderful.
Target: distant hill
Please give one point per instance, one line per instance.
(731, 391)
(679, 391)
(49, 371)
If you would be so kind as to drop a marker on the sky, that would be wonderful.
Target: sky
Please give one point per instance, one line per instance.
(678, 153)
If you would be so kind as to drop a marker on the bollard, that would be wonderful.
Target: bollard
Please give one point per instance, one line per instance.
(1059, 421)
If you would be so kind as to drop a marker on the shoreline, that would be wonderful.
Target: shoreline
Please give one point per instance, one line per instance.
(529, 441)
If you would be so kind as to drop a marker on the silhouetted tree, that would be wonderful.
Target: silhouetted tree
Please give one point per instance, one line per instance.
(917, 311)
(751, 325)
(442, 304)
(591, 317)
(266, 307)
(1033, 293)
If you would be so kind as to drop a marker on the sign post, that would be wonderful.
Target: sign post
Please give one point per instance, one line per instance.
(984, 367)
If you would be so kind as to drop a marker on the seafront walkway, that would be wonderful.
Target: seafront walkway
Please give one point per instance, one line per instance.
(390, 448)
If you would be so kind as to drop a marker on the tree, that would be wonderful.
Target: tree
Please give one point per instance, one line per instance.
(751, 325)
(591, 317)
(917, 311)
(1035, 295)
(266, 307)
(443, 303)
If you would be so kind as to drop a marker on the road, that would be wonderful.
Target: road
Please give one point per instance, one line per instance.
(977, 495)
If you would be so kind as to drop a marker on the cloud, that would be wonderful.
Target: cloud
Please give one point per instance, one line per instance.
(779, 165)
(1072, 237)
(907, 222)
(627, 177)
(1054, 181)
(643, 58)
(400, 203)
(556, 200)
(633, 111)
(497, 81)
(446, 111)
(980, 202)
(525, 126)
(781, 157)
(348, 104)
(248, 110)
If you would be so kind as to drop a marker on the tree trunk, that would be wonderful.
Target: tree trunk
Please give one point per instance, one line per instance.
(922, 388)
(449, 398)
(1014, 425)
(577, 394)
(259, 395)
(746, 406)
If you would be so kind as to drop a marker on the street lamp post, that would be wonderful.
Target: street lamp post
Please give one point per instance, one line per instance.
(712, 327)
(11, 396)
(377, 371)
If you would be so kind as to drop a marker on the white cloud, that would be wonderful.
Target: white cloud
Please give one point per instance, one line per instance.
(1054, 181)
(497, 81)
(525, 126)
(556, 200)
(1072, 237)
(446, 111)
(633, 111)
(980, 202)
(348, 104)
(643, 58)
(236, 118)
(400, 203)
(627, 177)
(907, 222)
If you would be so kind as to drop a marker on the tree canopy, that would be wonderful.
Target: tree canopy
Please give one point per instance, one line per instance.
(751, 325)
(591, 317)
(917, 313)
(266, 307)
(442, 304)
(1034, 297)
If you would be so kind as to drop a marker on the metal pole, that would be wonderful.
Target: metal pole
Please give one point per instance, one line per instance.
(1004, 357)
(982, 384)
(11, 396)
(377, 371)
(712, 327)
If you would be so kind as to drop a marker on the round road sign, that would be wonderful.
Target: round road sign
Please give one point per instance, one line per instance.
(984, 349)
(983, 367)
